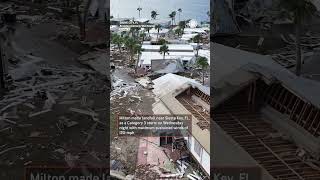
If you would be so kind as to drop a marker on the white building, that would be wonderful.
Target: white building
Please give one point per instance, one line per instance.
(183, 53)
(147, 58)
(205, 53)
(153, 33)
(163, 22)
(193, 23)
(171, 47)
(167, 89)
(187, 37)
(190, 33)
(195, 30)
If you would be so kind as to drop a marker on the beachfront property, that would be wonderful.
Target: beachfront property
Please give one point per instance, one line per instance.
(180, 95)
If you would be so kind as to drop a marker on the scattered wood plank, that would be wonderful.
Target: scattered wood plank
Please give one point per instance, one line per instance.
(12, 148)
(91, 131)
(9, 121)
(81, 111)
(38, 113)
(29, 105)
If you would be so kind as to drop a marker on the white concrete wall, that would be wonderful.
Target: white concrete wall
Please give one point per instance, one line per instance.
(203, 159)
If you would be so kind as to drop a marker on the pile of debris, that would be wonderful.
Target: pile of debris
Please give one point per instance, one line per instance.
(25, 14)
(97, 60)
(121, 89)
(147, 172)
(310, 40)
(44, 101)
(263, 13)
(183, 170)
(286, 56)
(68, 32)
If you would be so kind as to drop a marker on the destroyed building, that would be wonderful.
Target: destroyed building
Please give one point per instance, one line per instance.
(51, 103)
(180, 95)
(224, 21)
(265, 114)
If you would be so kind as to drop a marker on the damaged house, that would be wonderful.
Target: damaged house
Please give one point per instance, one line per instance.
(180, 95)
(174, 61)
(266, 115)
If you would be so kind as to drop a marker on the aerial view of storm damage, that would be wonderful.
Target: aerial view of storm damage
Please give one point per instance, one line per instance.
(266, 87)
(53, 77)
(160, 65)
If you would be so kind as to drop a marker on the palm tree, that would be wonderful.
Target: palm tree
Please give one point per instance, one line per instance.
(154, 14)
(301, 10)
(139, 9)
(202, 62)
(182, 24)
(134, 31)
(178, 31)
(130, 45)
(162, 41)
(118, 40)
(142, 36)
(180, 11)
(197, 39)
(158, 26)
(164, 49)
(137, 49)
(172, 16)
(148, 29)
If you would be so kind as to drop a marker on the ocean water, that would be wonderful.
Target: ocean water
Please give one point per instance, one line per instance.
(191, 9)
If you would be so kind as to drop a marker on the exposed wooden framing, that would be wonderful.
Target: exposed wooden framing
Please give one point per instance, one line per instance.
(201, 95)
(275, 98)
(280, 98)
(250, 94)
(254, 92)
(315, 117)
(284, 102)
(294, 108)
(290, 105)
(309, 116)
(303, 110)
(267, 147)
(271, 92)
(265, 92)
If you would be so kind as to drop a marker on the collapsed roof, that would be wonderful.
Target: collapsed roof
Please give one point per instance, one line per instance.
(170, 82)
(234, 69)
(166, 88)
